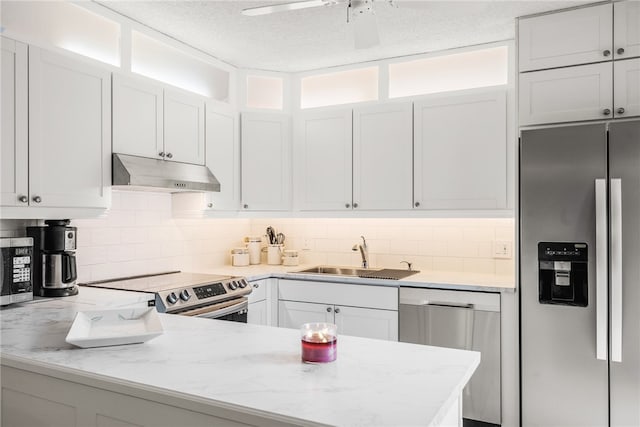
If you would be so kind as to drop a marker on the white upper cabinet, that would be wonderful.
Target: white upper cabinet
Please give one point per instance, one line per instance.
(183, 127)
(573, 37)
(322, 153)
(382, 157)
(460, 151)
(566, 94)
(151, 121)
(69, 132)
(14, 157)
(266, 163)
(626, 29)
(626, 95)
(223, 155)
(137, 117)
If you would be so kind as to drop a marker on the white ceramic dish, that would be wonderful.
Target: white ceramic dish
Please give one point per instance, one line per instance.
(100, 328)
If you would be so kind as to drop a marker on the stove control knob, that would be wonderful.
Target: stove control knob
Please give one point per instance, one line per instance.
(242, 284)
(233, 286)
(185, 295)
(172, 298)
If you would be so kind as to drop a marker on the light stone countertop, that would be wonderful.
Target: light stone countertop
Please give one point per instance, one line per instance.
(424, 279)
(248, 367)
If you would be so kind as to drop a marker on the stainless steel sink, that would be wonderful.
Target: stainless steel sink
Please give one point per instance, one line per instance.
(338, 271)
(369, 273)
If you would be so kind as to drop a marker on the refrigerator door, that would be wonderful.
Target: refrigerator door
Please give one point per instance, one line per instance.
(624, 165)
(563, 383)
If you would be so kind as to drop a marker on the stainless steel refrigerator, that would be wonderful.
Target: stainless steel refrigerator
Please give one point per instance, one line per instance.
(579, 226)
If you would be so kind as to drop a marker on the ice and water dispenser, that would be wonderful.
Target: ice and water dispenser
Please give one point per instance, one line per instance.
(562, 273)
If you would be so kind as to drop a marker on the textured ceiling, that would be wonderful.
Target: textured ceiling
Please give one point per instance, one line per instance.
(320, 37)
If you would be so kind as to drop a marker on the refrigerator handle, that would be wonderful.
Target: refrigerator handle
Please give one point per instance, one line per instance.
(601, 269)
(616, 270)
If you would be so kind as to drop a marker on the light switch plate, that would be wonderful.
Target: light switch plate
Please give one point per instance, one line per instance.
(502, 249)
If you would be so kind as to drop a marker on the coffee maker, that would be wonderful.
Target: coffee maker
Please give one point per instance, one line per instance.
(54, 253)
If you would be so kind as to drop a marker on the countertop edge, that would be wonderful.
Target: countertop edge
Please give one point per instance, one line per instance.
(380, 282)
(155, 394)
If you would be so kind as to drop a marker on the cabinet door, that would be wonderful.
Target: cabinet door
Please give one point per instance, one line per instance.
(383, 156)
(14, 160)
(183, 127)
(626, 29)
(69, 132)
(323, 161)
(626, 95)
(137, 117)
(266, 167)
(578, 36)
(367, 322)
(258, 313)
(460, 152)
(293, 314)
(566, 94)
(223, 155)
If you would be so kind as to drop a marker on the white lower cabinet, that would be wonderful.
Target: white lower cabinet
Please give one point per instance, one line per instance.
(260, 303)
(357, 310)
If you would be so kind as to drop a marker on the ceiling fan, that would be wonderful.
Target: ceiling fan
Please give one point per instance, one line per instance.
(359, 13)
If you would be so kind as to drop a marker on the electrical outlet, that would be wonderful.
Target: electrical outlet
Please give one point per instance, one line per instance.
(306, 244)
(502, 249)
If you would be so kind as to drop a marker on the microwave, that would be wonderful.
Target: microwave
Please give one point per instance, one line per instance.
(15, 275)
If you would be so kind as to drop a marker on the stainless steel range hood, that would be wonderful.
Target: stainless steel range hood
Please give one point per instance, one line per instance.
(142, 173)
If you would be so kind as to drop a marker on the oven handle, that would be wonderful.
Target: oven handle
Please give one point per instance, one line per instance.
(215, 313)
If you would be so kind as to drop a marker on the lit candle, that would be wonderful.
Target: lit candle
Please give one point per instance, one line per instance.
(319, 342)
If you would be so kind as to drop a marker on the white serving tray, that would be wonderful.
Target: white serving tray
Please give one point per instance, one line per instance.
(100, 328)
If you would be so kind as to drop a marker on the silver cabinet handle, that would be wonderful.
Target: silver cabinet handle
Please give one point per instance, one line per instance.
(347, 205)
(616, 270)
(161, 154)
(169, 156)
(209, 205)
(620, 51)
(601, 270)
(328, 309)
(23, 199)
(245, 206)
(416, 204)
(620, 110)
(355, 205)
(256, 285)
(607, 52)
(37, 199)
(337, 310)
(606, 111)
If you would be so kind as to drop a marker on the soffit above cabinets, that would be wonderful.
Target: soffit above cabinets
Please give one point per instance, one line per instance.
(320, 37)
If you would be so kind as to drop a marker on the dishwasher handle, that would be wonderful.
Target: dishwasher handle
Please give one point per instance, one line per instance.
(450, 304)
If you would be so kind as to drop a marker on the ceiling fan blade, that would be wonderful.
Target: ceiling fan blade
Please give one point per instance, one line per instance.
(365, 31)
(284, 7)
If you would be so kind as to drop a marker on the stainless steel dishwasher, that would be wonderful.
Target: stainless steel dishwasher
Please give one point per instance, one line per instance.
(462, 320)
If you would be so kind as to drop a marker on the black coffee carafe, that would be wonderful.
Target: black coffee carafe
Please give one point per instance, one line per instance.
(54, 248)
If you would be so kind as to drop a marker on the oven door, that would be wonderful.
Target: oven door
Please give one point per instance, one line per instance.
(234, 310)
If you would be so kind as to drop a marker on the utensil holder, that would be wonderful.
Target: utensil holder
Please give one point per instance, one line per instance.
(274, 254)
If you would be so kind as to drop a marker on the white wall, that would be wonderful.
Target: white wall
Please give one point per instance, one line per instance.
(460, 244)
(139, 236)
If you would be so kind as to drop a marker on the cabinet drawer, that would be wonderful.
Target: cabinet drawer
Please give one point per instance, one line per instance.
(566, 94)
(380, 297)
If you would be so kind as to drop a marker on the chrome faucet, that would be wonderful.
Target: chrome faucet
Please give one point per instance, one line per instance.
(364, 252)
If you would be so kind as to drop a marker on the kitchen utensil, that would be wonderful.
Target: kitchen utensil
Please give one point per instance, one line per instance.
(271, 236)
(280, 239)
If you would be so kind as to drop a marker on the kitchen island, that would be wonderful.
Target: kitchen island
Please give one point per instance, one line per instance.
(213, 372)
